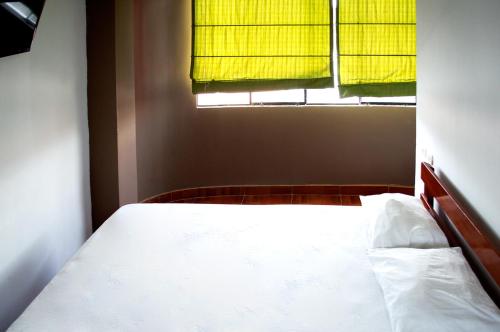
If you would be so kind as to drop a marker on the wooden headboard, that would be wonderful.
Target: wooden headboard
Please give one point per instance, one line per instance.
(462, 231)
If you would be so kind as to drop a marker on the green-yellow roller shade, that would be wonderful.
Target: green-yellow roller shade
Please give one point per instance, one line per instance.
(376, 47)
(248, 45)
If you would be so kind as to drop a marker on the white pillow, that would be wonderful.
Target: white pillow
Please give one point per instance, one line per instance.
(432, 290)
(396, 220)
(378, 201)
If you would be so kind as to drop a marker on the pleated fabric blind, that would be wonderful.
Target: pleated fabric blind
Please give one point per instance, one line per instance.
(249, 45)
(376, 47)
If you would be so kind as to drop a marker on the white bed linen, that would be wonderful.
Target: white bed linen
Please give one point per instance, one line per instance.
(194, 267)
(396, 220)
(433, 290)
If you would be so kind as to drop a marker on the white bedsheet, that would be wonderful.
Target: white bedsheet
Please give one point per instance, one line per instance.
(193, 267)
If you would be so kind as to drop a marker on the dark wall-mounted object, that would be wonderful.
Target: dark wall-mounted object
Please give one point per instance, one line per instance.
(18, 23)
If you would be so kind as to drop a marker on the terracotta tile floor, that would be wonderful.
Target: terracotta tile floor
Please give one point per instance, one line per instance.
(279, 194)
(315, 199)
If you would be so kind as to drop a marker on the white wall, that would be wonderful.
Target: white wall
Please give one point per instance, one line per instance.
(458, 112)
(44, 166)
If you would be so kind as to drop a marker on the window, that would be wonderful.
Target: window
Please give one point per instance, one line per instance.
(251, 45)
(376, 47)
(295, 97)
(243, 48)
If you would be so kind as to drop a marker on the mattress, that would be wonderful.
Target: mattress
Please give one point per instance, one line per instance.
(196, 267)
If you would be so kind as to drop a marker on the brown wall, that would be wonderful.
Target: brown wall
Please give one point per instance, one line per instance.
(101, 92)
(180, 146)
(147, 136)
(111, 95)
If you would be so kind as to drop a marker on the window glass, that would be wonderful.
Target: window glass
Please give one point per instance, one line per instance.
(295, 97)
(280, 96)
(328, 96)
(390, 100)
(220, 99)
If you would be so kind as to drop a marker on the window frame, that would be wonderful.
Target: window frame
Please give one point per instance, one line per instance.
(305, 103)
(335, 74)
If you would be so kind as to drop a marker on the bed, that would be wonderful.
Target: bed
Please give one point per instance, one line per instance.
(201, 267)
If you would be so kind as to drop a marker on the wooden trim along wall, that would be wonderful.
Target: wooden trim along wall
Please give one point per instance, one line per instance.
(282, 194)
(461, 230)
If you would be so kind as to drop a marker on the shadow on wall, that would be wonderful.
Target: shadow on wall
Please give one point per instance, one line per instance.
(27, 275)
(44, 203)
(44, 163)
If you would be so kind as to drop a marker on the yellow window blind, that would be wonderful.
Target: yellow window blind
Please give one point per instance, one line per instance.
(376, 47)
(248, 45)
